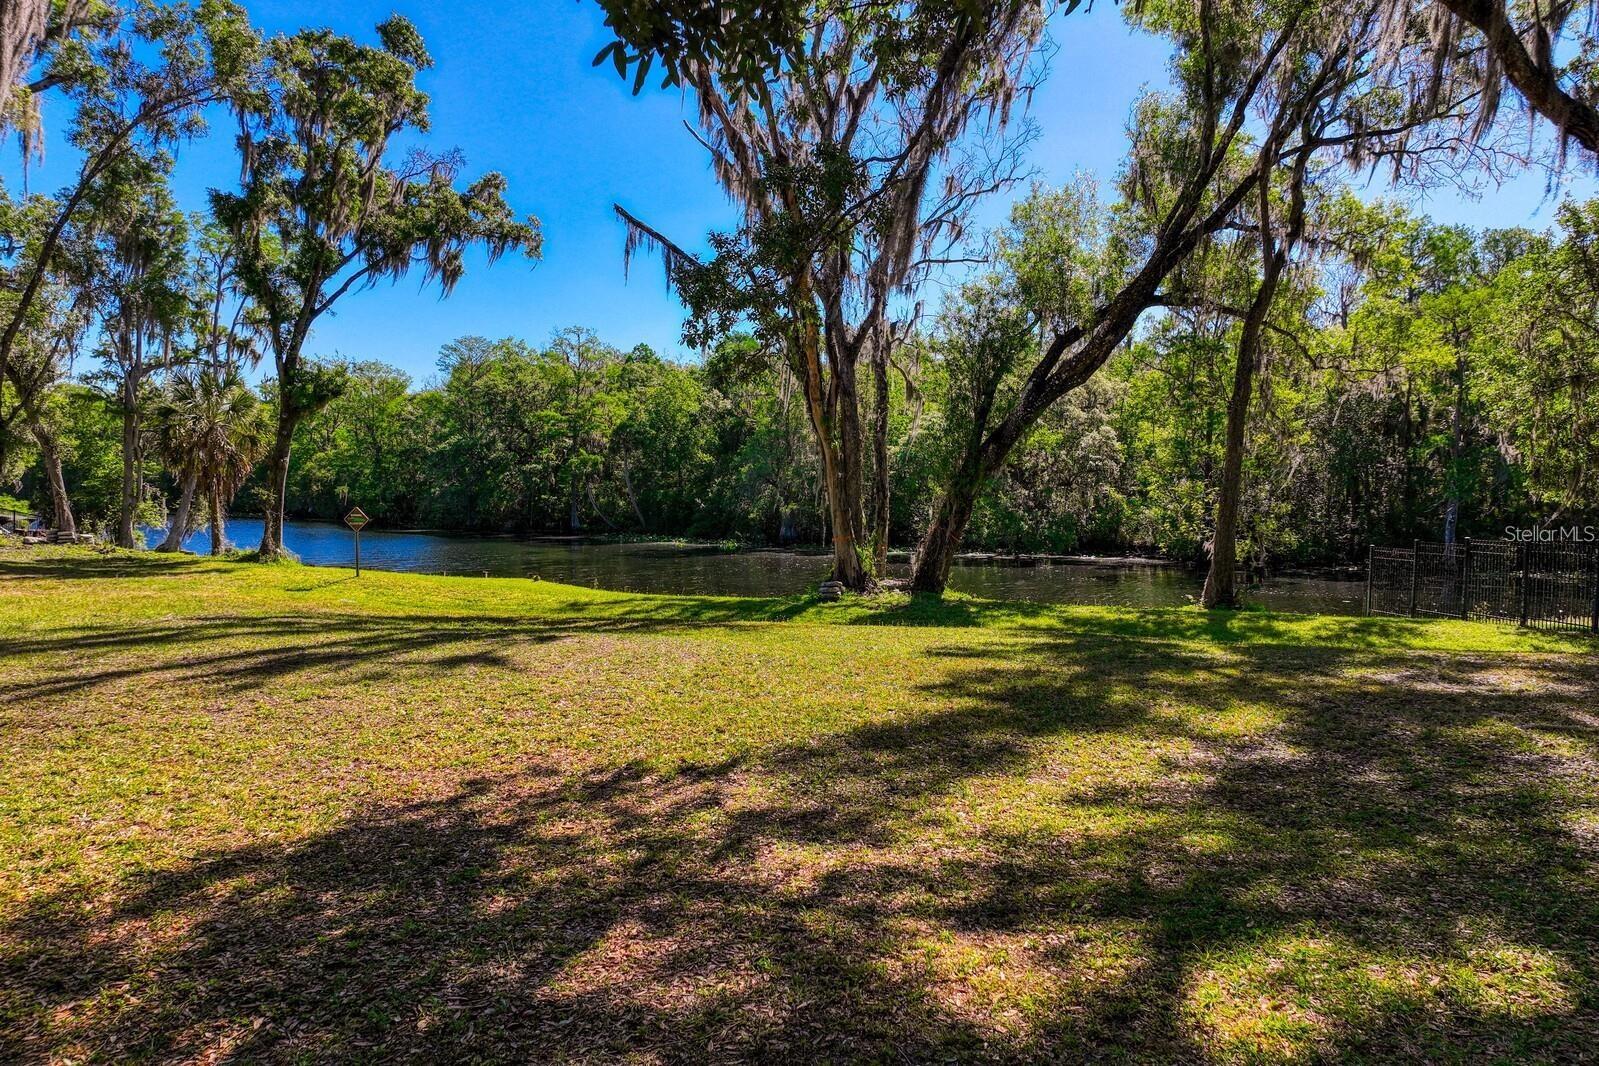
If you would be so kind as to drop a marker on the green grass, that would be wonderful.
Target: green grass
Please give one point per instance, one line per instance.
(283, 813)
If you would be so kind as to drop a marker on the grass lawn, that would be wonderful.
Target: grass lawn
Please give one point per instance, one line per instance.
(275, 812)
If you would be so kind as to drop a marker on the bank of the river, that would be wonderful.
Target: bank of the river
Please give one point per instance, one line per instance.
(685, 568)
(280, 813)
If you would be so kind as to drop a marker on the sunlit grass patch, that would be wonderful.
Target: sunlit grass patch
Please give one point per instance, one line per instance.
(999, 982)
(1297, 996)
(1511, 981)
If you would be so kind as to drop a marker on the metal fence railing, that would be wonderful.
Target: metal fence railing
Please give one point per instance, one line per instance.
(1546, 586)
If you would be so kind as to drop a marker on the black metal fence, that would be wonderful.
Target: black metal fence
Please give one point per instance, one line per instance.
(1546, 586)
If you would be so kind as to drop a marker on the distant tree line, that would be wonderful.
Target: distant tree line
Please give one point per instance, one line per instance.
(1416, 381)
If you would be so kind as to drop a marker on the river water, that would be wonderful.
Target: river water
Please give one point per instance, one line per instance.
(708, 570)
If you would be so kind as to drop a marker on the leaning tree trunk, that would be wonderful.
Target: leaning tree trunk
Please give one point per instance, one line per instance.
(1221, 583)
(632, 498)
(50, 459)
(936, 552)
(178, 530)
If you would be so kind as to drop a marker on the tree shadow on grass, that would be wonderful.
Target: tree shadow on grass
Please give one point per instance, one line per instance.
(1405, 864)
(71, 563)
(1168, 623)
(237, 653)
(1076, 848)
(240, 652)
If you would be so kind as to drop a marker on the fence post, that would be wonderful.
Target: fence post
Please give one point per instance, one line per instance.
(1526, 581)
(1415, 553)
(1465, 581)
(1594, 622)
(1370, 553)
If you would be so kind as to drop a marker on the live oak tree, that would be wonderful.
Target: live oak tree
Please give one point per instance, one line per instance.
(126, 106)
(847, 161)
(22, 28)
(48, 334)
(142, 300)
(1545, 51)
(30, 30)
(324, 210)
(1193, 168)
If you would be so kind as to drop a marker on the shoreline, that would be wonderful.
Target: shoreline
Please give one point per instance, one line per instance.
(1340, 572)
(898, 555)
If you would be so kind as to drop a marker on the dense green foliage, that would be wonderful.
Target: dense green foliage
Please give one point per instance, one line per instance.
(1355, 438)
(1448, 372)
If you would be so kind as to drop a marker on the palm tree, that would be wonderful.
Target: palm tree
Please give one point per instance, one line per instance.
(211, 426)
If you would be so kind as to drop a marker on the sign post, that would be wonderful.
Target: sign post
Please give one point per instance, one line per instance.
(355, 520)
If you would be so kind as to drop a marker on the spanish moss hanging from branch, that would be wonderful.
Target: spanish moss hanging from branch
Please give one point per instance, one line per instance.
(641, 235)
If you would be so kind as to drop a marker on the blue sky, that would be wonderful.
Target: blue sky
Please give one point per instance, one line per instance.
(513, 88)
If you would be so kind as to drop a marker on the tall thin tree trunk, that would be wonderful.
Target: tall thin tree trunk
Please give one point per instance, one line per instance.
(218, 520)
(848, 566)
(178, 528)
(1456, 450)
(880, 486)
(130, 473)
(852, 463)
(1221, 582)
(278, 482)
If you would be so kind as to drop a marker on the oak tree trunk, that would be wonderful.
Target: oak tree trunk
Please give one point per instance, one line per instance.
(129, 502)
(50, 458)
(277, 464)
(1221, 588)
(841, 466)
(1221, 581)
(880, 486)
(936, 551)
